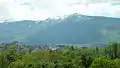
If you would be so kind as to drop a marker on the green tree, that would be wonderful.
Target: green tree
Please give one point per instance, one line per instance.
(113, 50)
(3, 60)
(102, 62)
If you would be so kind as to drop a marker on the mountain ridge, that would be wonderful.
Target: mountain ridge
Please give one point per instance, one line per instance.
(60, 17)
(73, 29)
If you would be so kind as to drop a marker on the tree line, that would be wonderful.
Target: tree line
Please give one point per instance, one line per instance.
(72, 57)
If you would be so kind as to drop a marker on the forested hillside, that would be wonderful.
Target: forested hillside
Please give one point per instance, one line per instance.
(23, 56)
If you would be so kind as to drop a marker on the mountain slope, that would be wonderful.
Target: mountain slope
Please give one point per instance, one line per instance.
(73, 29)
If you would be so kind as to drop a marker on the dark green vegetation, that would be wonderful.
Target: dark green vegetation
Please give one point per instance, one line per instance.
(72, 29)
(13, 56)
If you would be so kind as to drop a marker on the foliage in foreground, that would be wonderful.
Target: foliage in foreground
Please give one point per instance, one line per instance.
(72, 57)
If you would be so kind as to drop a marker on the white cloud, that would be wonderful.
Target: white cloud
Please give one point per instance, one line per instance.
(42, 9)
(4, 10)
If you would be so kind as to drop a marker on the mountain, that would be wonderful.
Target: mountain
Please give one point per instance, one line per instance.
(71, 29)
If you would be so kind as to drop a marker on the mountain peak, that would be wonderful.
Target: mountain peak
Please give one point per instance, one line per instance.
(62, 31)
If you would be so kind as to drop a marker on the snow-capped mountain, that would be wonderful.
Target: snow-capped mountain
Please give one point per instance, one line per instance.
(71, 29)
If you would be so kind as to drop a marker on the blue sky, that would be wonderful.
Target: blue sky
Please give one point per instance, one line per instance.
(42, 9)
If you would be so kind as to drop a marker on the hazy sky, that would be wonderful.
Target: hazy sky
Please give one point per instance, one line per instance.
(42, 9)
